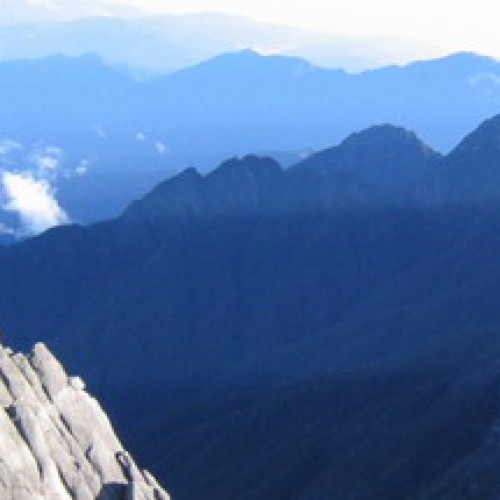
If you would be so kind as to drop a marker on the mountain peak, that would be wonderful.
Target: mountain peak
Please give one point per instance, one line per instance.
(384, 135)
(177, 196)
(247, 63)
(386, 155)
(237, 185)
(188, 175)
(481, 148)
(254, 56)
(467, 60)
(242, 184)
(259, 167)
(187, 178)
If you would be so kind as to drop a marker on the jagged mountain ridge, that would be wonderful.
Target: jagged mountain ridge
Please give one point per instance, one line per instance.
(125, 136)
(231, 291)
(383, 164)
(56, 443)
(356, 172)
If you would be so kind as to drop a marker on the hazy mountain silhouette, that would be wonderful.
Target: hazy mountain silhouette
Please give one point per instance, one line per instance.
(137, 133)
(312, 106)
(160, 44)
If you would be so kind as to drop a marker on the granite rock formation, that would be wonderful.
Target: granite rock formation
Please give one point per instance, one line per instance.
(56, 443)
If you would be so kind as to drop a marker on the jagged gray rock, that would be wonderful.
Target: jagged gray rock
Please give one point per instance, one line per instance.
(56, 443)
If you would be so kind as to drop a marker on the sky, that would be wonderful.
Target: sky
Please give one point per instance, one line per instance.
(447, 24)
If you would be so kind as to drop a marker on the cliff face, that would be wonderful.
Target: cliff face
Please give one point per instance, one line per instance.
(56, 443)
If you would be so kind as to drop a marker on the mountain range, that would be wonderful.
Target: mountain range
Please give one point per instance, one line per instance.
(329, 330)
(99, 138)
(148, 45)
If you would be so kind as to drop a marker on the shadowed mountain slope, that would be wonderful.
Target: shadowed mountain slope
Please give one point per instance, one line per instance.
(303, 327)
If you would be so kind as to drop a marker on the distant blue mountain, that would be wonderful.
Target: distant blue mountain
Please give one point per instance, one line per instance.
(287, 99)
(227, 106)
(161, 44)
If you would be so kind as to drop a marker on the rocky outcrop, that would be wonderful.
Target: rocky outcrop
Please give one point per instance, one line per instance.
(56, 443)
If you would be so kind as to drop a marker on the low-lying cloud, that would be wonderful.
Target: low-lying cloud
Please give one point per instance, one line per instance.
(161, 147)
(28, 180)
(47, 159)
(33, 201)
(7, 146)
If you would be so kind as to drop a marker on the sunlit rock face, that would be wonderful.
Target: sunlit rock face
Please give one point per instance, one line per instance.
(56, 442)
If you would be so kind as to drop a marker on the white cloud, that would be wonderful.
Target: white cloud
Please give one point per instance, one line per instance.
(28, 185)
(8, 146)
(82, 168)
(47, 162)
(33, 201)
(161, 147)
(100, 131)
(53, 150)
(140, 136)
